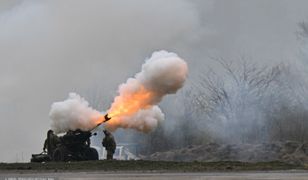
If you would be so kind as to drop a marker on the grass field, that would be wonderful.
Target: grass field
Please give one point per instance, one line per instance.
(141, 165)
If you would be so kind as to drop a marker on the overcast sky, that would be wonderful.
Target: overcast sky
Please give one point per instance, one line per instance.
(49, 48)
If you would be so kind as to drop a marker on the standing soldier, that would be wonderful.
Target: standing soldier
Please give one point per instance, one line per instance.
(51, 143)
(109, 144)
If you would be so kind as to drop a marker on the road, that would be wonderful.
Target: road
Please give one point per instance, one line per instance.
(287, 175)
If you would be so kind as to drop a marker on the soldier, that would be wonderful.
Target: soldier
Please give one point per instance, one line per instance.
(51, 143)
(109, 144)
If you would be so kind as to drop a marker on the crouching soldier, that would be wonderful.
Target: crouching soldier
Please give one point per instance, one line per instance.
(109, 144)
(51, 143)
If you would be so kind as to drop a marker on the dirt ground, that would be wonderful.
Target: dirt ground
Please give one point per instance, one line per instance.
(148, 166)
(278, 175)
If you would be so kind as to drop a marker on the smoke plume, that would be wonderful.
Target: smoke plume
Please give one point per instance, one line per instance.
(145, 120)
(163, 73)
(73, 113)
(136, 105)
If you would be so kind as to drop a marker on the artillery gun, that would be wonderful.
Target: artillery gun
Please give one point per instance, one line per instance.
(73, 146)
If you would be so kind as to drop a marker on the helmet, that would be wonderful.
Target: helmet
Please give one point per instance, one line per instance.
(106, 132)
(49, 132)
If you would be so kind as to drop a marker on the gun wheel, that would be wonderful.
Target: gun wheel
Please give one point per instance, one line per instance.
(91, 154)
(59, 154)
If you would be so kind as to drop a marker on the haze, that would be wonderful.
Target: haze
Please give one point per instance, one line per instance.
(50, 48)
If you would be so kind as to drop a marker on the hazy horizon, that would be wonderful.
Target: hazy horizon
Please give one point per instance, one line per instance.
(51, 48)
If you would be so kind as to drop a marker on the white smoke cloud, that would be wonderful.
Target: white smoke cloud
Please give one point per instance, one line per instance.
(73, 113)
(135, 107)
(163, 73)
(144, 120)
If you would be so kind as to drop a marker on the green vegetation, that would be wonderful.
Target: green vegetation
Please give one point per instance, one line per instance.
(147, 166)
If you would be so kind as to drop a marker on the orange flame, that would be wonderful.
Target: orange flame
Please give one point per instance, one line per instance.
(130, 103)
(127, 104)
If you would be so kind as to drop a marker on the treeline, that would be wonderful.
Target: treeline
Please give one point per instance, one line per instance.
(239, 102)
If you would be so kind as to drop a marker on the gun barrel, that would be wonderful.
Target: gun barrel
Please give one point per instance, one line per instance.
(106, 119)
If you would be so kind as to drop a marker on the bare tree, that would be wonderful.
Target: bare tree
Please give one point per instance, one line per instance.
(232, 102)
(241, 101)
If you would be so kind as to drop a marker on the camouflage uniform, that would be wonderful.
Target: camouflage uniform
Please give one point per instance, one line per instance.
(51, 143)
(109, 144)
